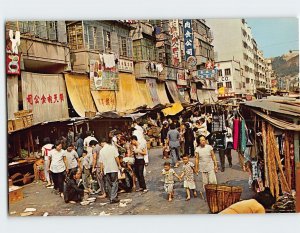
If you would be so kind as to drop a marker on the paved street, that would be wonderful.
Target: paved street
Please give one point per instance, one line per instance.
(154, 202)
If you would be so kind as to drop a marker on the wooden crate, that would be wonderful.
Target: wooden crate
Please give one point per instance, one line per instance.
(18, 123)
(21, 113)
(10, 125)
(90, 114)
(15, 194)
(28, 120)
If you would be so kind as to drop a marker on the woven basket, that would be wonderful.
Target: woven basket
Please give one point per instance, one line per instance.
(22, 113)
(219, 197)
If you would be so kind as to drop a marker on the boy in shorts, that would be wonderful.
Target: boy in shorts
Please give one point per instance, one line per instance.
(169, 174)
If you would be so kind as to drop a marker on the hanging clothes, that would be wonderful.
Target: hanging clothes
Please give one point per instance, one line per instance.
(243, 137)
(236, 130)
(109, 60)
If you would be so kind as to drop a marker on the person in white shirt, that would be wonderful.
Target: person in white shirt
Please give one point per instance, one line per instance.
(45, 154)
(72, 158)
(58, 167)
(86, 142)
(139, 133)
(110, 166)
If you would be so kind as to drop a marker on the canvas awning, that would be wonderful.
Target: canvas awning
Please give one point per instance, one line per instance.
(206, 96)
(187, 97)
(172, 88)
(12, 96)
(105, 100)
(46, 95)
(153, 89)
(173, 110)
(145, 93)
(78, 87)
(200, 96)
(162, 95)
(128, 96)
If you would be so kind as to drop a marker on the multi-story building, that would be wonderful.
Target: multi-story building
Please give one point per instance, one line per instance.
(233, 40)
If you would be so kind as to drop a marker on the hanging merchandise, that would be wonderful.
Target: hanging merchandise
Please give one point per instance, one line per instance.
(109, 60)
(264, 140)
(243, 137)
(287, 160)
(236, 129)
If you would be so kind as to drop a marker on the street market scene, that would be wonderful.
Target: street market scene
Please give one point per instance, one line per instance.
(149, 117)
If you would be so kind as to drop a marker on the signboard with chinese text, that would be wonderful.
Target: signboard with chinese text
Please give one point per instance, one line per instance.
(207, 73)
(175, 42)
(125, 65)
(103, 79)
(189, 43)
(181, 78)
(13, 64)
(46, 95)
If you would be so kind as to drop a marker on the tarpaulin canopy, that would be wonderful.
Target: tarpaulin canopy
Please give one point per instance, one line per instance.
(145, 93)
(12, 96)
(78, 87)
(206, 96)
(187, 97)
(200, 96)
(162, 95)
(173, 110)
(104, 100)
(128, 96)
(46, 95)
(172, 88)
(153, 89)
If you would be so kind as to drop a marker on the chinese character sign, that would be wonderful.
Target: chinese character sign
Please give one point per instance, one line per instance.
(175, 42)
(12, 64)
(188, 38)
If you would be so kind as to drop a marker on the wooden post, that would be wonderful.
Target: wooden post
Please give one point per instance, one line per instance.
(18, 144)
(297, 187)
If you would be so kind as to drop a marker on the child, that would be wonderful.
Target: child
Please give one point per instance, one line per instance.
(169, 180)
(85, 170)
(188, 174)
(124, 176)
(166, 151)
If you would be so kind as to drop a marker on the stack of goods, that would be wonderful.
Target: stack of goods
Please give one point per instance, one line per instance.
(285, 204)
(23, 118)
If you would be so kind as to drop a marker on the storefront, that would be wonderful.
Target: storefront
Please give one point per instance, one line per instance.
(145, 93)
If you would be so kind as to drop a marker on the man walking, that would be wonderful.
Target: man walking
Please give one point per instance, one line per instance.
(110, 165)
(173, 138)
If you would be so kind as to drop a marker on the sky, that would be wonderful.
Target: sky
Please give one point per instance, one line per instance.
(275, 36)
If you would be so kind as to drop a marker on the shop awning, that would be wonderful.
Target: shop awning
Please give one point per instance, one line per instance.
(173, 110)
(78, 87)
(207, 96)
(153, 89)
(172, 88)
(105, 100)
(162, 95)
(187, 97)
(46, 95)
(128, 96)
(200, 96)
(214, 96)
(12, 96)
(145, 93)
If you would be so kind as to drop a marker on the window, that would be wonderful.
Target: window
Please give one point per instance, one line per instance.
(91, 37)
(219, 85)
(220, 73)
(107, 40)
(123, 46)
(247, 80)
(227, 72)
(228, 85)
(75, 36)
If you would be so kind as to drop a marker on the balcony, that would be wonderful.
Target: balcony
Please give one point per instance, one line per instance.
(144, 69)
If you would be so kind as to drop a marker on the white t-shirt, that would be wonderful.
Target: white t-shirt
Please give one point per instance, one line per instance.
(140, 147)
(72, 157)
(206, 163)
(108, 155)
(57, 161)
(86, 141)
(46, 150)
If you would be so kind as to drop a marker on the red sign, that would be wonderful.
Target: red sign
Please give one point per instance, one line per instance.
(12, 63)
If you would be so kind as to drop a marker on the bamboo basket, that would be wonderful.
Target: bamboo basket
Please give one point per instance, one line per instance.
(22, 113)
(28, 120)
(219, 197)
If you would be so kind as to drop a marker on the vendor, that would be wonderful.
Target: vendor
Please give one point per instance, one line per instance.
(257, 205)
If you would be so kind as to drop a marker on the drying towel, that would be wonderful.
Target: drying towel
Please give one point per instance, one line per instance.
(109, 60)
(236, 130)
(243, 136)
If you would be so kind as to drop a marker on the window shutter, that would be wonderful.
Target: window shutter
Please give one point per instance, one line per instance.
(51, 25)
(61, 31)
(100, 39)
(120, 46)
(129, 47)
(86, 42)
(114, 42)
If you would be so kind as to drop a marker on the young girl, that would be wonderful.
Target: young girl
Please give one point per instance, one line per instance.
(169, 174)
(188, 174)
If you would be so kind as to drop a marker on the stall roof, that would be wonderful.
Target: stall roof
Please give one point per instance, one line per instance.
(274, 106)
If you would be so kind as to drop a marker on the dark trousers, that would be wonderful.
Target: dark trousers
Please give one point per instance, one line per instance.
(189, 149)
(58, 180)
(139, 165)
(222, 154)
(111, 185)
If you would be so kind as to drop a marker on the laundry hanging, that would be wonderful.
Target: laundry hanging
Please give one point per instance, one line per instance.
(109, 60)
(236, 129)
(243, 136)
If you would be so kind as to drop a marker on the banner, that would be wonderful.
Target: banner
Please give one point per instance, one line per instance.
(189, 43)
(175, 42)
(103, 79)
(181, 81)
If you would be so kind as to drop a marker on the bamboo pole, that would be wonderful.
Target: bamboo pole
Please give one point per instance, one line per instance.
(264, 140)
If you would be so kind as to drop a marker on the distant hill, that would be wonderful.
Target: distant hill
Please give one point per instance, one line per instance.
(287, 64)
